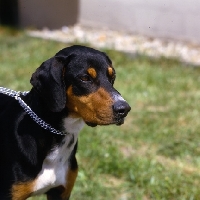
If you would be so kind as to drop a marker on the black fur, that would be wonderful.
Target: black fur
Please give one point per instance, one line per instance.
(23, 143)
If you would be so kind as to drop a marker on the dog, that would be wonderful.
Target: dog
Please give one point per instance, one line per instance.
(73, 88)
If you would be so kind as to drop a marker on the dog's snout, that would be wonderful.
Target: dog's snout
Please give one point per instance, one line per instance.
(121, 108)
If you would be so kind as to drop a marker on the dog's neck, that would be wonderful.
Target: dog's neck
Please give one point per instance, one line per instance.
(61, 121)
(73, 125)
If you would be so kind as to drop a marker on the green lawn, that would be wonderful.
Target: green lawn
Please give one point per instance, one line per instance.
(156, 153)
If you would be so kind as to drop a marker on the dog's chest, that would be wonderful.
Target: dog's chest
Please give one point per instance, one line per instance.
(55, 165)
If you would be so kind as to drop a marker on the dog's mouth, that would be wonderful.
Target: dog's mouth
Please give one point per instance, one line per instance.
(120, 122)
(117, 122)
(91, 124)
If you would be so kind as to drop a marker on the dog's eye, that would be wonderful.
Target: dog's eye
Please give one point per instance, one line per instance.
(112, 79)
(84, 78)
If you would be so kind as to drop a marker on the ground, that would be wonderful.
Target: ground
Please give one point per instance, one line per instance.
(155, 154)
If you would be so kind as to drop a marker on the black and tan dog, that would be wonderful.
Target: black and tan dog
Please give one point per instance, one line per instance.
(70, 89)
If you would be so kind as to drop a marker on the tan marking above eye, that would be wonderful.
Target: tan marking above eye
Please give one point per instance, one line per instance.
(92, 72)
(110, 71)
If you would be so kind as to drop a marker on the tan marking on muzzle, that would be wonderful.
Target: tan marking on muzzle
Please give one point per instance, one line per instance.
(93, 108)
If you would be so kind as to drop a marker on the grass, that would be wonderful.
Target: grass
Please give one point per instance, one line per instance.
(156, 153)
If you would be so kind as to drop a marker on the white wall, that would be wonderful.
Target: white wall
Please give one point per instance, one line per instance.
(177, 19)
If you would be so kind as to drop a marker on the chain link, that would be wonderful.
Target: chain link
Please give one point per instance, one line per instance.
(28, 110)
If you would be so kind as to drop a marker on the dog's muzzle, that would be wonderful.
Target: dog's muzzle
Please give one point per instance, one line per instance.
(120, 111)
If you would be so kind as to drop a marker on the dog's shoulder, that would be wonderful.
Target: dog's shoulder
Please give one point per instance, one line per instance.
(5, 100)
(9, 108)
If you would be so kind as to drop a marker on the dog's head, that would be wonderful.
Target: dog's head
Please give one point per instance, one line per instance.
(81, 79)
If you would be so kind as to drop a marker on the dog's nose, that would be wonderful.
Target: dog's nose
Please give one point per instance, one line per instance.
(121, 108)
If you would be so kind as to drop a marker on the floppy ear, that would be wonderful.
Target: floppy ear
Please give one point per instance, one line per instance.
(49, 83)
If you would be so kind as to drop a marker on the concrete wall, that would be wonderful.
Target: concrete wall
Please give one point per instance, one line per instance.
(175, 19)
(48, 13)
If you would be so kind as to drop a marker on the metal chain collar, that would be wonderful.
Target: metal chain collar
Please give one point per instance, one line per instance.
(28, 110)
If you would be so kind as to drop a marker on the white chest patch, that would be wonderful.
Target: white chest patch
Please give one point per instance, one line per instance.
(55, 165)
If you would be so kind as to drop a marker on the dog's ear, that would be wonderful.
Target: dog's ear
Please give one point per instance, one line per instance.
(49, 82)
